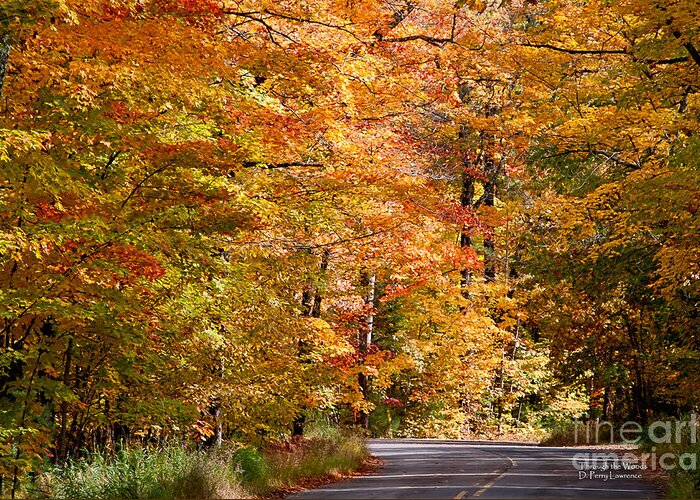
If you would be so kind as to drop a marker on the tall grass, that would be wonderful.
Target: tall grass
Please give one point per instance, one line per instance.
(571, 433)
(564, 434)
(233, 472)
(320, 458)
(324, 453)
(138, 473)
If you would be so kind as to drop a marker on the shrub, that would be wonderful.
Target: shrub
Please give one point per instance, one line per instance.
(249, 464)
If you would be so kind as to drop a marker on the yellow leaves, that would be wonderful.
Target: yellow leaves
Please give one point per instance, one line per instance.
(202, 430)
(475, 5)
(387, 370)
(12, 141)
(678, 267)
(14, 243)
(327, 342)
(368, 370)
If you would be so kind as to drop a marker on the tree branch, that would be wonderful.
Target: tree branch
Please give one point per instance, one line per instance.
(110, 161)
(693, 52)
(574, 51)
(674, 60)
(137, 186)
(438, 42)
(253, 16)
(311, 21)
(271, 166)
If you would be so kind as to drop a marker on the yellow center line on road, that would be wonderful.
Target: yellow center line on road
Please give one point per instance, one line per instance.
(461, 494)
(488, 485)
(485, 487)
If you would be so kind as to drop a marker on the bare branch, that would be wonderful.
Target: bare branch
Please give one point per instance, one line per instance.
(137, 186)
(574, 51)
(271, 166)
(256, 17)
(673, 60)
(438, 42)
(288, 17)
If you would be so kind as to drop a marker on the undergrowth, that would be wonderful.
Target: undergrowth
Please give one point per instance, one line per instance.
(229, 472)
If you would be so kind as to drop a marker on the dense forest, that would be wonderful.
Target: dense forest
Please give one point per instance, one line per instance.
(223, 219)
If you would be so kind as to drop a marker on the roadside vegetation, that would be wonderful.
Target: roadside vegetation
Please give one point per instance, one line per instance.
(682, 483)
(683, 479)
(227, 472)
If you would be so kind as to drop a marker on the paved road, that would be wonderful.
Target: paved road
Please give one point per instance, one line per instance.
(417, 468)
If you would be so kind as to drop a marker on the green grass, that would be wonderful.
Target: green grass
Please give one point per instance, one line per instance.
(572, 434)
(174, 472)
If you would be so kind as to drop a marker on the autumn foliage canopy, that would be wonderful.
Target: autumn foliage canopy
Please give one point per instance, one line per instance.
(219, 219)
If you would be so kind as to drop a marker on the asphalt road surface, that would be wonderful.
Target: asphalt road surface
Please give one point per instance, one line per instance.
(421, 468)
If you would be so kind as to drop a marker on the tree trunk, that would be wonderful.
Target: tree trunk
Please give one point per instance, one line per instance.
(311, 300)
(316, 307)
(365, 340)
(62, 447)
(640, 392)
(489, 201)
(4, 56)
(218, 436)
(606, 403)
(466, 199)
(298, 424)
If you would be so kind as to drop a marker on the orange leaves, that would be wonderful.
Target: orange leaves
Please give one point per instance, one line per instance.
(466, 258)
(207, 7)
(202, 153)
(195, 11)
(201, 430)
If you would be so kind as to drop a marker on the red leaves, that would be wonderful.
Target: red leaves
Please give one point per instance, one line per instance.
(137, 263)
(455, 213)
(467, 258)
(196, 12)
(394, 291)
(114, 12)
(121, 113)
(48, 212)
(392, 403)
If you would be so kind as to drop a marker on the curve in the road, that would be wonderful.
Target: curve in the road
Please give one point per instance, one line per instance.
(466, 469)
